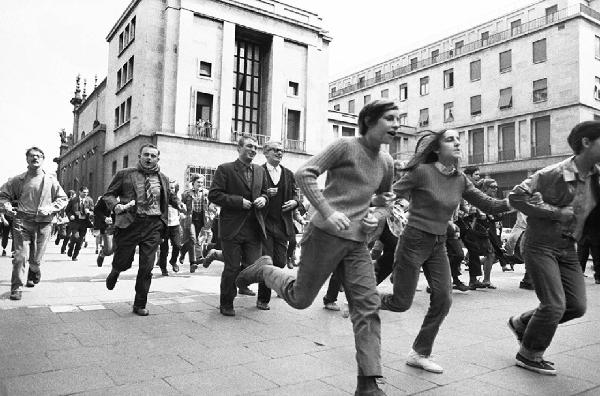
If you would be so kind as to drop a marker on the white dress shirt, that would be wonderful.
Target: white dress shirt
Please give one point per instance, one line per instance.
(274, 172)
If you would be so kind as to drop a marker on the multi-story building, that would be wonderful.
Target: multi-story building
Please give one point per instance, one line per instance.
(191, 76)
(513, 87)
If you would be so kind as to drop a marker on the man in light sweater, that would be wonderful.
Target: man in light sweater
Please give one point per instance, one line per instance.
(356, 169)
(38, 196)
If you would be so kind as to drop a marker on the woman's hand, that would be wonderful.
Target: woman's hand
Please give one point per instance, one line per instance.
(338, 221)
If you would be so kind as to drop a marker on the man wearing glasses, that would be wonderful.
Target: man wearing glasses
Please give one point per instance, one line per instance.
(38, 197)
(240, 189)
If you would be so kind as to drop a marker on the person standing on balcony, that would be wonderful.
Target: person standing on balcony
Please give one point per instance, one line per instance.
(38, 198)
(240, 189)
(557, 201)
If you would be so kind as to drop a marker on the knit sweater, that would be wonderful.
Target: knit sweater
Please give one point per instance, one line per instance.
(435, 196)
(354, 173)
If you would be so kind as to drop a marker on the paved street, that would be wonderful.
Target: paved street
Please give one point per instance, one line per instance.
(69, 335)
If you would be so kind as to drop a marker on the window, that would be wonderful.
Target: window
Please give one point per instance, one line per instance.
(424, 86)
(361, 82)
(597, 47)
(205, 171)
(203, 118)
(505, 61)
(423, 117)
(448, 112)
(506, 142)
(403, 91)
(367, 99)
(552, 13)
(458, 45)
(336, 107)
(484, 38)
(540, 90)
(475, 70)
(205, 69)
(435, 55)
(385, 93)
(539, 51)
(293, 88)
(515, 27)
(403, 119)
(413, 63)
(125, 161)
(114, 168)
(247, 83)
(293, 125)
(332, 92)
(596, 117)
(476, 146)
(116, 118)
(475, 105)
(378, 75)
(127, 35)
(336, 131)
(125, 74)
(448, 78)
(347, 131)
(505, 101)
(540, 136)
(123, 113)
(351, 108)
(597, 89)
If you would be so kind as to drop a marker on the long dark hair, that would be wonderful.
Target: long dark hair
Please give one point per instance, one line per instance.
(425, 153)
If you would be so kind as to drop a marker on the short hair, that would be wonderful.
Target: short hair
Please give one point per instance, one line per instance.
(150, 145)
(270, 145)
(83, 188)
(487, 183)
(586, 129)
(469, 170)
(71, 193)
(194, 177)
(34, 148)
(245, 137)
(175, 184)
(372, 112)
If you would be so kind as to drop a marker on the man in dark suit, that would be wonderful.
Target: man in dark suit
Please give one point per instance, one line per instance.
(140, 198)
(283, 199)
(240, 189)
(79, 211)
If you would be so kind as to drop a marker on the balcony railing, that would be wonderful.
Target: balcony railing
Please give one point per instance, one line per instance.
(506, 155)
(202, 133)
(541, 151)
(294, 145)
(262, 139)
(476, 158)
(525, 28)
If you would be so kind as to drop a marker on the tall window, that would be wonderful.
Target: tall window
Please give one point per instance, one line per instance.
(293, 125)
(597, 47)
(435, 54)
(125, 161)
(123, 113)
(127, 35)
(367, 99)
(351, 107)
(403, 119)
(403, 91)
(505, 61)
(505, 101)
(552, 13)
(449, 112)
(597, 89)
(113, 169)
(424, 86)
(475, 105)
(448, 78)
(336, 131)
(476, 146)
(385, 93)
(540, 136)
(423, 117)
(540, 90)
(475, 70)
(539, 51)
(413, 63)
(125, 74)
(247, 86)
(506, 142)
(515, 27)
(484, 37)
(361, 82)
(458, 45)
(378, 75)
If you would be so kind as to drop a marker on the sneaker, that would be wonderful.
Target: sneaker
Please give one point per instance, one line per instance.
(263, 306)
(16, 294)
(332, 306)
(542, 367)
(512, 328)
(460, 286)
(423, 362)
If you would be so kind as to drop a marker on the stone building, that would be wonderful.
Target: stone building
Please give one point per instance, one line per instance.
(513, 87)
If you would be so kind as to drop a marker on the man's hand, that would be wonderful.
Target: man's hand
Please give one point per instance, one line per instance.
(119, 208)
(46, 211)
(338, 221)
(536, 198)
(566, 214)
(385, 199)
(247, 205)
(72, 218)
(369, 223)
(108, 220)
(260, 202)
(289, 205)
(182, 207)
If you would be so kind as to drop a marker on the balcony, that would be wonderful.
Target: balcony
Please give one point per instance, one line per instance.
(541, 151)
(298, 146)
(262, 139)
(476, 158)
(202, 132)
(506, 155)
(474, 46)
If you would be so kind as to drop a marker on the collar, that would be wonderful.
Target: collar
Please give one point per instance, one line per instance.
(272, 168)
(22, 176)
(240, 163)
(571, 173)
(448, 171)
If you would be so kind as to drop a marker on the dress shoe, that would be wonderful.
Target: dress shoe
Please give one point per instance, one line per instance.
(253, 273)
(3, 253)
(70, 252)
(193, 268)
(62, 251)
(30, 283)
(111, 279)
(460, 286)
(34, 276)
(227, 311)
(263, 306)
(246, 292)
(525, 285)
(476, 285)
(175, 266)
(140, 311)
(16, 294)
(100, 261)
(74, 258)
(164, 272)
(210, 257)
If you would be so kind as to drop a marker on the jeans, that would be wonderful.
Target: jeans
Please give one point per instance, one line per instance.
(190, 243)
(558, 281)
(385, 263)
(30, 240)
(146, 233)
(418, 248)
(321, 253)
(455, 256)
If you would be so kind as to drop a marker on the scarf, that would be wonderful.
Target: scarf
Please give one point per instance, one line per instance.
(146, 171)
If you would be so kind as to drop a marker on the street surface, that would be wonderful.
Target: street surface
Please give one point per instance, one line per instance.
(69, 335)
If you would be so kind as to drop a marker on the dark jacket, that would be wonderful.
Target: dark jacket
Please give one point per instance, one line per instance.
(122, 189)
(74, 206)
(288, 186)
(186, 198)
(227, 190)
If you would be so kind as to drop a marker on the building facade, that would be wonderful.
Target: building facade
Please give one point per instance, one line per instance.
(513, 87)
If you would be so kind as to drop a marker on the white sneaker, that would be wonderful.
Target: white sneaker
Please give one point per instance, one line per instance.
(424, 362)
(332, 306)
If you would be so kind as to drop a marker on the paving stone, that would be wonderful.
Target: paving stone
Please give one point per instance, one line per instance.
(23, 364)
(469, 387)
(155, 387)
(312, 388)
(288, 346)
(216, 382)
(134, 369)
(211, 358)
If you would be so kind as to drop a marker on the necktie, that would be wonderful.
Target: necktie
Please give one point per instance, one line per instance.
(149, 196)
(249, 174)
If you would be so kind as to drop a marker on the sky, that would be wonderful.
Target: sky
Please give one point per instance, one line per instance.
(46, 43)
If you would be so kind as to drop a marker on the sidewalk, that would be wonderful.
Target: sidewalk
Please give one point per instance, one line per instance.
(69, 335)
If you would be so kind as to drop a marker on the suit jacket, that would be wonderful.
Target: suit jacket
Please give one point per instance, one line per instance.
(122, 189)
(186, 198)
(74, 206)
(287, 184)
(227, 190)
